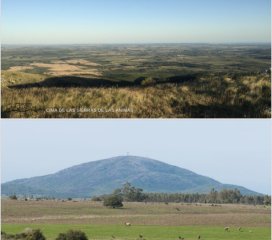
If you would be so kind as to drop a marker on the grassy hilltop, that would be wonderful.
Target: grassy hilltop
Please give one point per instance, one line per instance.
(104, 176)
(137, 81)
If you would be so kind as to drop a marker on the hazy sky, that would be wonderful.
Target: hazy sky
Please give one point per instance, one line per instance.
(230, 151)
(134, 21)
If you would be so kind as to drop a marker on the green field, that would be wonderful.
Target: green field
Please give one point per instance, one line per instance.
(149, 232)
(152, 220)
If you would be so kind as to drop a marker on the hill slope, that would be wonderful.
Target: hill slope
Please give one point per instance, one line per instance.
(102, 177)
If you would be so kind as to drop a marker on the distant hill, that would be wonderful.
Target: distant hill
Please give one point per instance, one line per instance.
(102, 177)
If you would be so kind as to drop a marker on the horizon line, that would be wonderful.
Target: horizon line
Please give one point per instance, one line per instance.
(134, 43)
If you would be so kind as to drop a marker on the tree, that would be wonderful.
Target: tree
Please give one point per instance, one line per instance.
(131, 193)
(267, 200)
(113, 201)
(230, 196)
(96, 199)
(213, 196)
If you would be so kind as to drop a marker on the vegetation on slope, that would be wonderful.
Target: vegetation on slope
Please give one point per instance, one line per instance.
(102, 177)
(217, 96)
(147, 81)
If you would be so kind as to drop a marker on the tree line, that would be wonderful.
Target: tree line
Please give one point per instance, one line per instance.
(129, 193)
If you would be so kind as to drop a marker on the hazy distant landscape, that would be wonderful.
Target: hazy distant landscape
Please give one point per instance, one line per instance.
(143, 81)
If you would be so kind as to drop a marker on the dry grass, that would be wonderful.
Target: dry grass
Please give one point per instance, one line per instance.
(74, 67)
(82, 62)
(206, 97)
(102, 102)
(65, 69)
(84, 212)
(19, 68)
(10, 78)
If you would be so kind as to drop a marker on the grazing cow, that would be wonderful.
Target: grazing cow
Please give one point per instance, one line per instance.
(128, 224)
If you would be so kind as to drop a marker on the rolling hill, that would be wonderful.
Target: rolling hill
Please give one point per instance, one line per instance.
(102, 177)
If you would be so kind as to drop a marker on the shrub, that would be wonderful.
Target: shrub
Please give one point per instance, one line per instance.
(61, 236)
(148, 81)
(3, 234)
(13, 197)
(113, 201)
(72, 235)
(28, 234)
(35, 235)
(96, 199)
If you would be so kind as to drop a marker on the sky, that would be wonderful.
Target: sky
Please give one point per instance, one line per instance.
(131, 21)
(230, 151)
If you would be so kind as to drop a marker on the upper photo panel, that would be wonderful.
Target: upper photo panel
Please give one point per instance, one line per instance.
(136, 59)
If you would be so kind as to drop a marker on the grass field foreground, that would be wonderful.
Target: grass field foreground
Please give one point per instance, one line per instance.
(51, 231)
(158, 221)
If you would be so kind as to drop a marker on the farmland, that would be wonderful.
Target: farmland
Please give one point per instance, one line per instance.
(136, 81)
(152, 220)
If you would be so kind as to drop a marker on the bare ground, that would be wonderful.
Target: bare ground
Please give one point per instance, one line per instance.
(63, 68)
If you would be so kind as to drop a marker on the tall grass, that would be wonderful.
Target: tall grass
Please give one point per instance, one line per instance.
(210, 96)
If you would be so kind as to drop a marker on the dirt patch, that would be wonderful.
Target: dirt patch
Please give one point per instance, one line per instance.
(65, 69)
(82, 62)
(19, 68)
(74, 67)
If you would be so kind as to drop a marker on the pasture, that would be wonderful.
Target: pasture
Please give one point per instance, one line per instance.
(152, 220)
